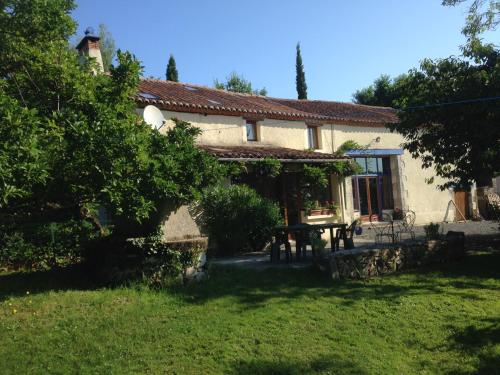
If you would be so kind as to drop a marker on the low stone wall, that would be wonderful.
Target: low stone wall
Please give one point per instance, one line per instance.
(116, 260)
(366, 263)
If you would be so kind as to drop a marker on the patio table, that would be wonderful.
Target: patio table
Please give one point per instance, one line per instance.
(302, 237)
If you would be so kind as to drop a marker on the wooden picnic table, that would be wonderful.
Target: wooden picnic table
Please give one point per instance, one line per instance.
(302, 233)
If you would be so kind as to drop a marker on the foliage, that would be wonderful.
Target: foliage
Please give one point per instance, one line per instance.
(107, 46)
(172, 74)
(161, 261)
(450, 117)
(38, 246)
(482, 15)
(66, 316)
(318, 244)
(236, 83)
(349, 145)
(70, 138)
(268, 167)
(313, 176)
(300, 78)
(237, 219)
(343, 168)
(383, 92)
(432, 231)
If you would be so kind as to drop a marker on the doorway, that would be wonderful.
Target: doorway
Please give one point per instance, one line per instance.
(367, 191)
(461, 205)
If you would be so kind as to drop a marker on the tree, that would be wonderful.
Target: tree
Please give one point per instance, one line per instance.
(483, 15)
(300, 78)
(451, 113)
(383, 92)
(172, 74)
(237, 83)
(107, 46)
(70, 139)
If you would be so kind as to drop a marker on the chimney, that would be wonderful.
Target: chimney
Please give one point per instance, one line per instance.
(89, 47)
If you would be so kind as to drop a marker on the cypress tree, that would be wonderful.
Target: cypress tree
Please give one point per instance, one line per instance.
(172, 74)
(301, 76)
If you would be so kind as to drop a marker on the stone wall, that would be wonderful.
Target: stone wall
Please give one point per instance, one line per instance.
(366, 263)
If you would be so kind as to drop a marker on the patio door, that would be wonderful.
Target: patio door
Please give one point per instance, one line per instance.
(367, 192)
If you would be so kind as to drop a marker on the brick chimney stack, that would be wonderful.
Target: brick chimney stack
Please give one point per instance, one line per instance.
(89, 47)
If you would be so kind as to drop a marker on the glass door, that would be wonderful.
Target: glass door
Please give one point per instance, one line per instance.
(367, 193)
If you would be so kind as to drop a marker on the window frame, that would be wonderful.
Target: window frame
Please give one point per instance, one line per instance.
(255, 130)
(315, 137)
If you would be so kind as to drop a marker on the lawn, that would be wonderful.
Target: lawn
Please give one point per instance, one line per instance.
(441, 320)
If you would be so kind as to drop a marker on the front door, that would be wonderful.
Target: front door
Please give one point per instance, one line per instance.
(367, 196)
(461, 205)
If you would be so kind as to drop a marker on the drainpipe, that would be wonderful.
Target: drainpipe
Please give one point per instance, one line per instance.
(331, 137)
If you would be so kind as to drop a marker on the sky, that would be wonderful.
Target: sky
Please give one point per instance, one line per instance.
(345, 44)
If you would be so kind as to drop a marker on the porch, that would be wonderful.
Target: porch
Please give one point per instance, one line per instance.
(301, 200)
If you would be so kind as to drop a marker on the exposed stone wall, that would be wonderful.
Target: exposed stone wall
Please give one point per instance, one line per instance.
(366, 263)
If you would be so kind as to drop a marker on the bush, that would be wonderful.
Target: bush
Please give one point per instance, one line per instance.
(237, 219)
(148, 259)
(432, 231)
(41, 246)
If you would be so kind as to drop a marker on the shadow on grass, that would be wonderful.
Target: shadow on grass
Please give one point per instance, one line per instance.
(327, 364)
(254, 288)
(482, 342)
(60, 279)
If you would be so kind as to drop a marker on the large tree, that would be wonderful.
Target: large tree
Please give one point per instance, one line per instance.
(172, 74)
(300, 77)
(237, 83)
(482, 15)
(383, 92)
(107, 46)
(450, 115)
(70, 138)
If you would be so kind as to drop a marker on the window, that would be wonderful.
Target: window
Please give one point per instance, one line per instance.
(312, 137)
(374, 165)
(251, 131)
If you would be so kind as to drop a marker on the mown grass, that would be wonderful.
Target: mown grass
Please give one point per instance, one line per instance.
(442, 320)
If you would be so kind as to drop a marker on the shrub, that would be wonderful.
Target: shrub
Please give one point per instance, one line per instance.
(148, 259)
(41, 246)
(237, 219)
(432, 231)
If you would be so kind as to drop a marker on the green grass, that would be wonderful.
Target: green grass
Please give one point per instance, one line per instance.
(442, 320)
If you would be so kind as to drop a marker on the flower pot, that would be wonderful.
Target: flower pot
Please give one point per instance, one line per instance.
(433, 245)
(315, 212)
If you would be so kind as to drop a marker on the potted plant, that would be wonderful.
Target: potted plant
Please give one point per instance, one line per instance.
(325, 210)
(333, 207)
(316, 209)
(397, 214)
(319, 245)
(432, 236)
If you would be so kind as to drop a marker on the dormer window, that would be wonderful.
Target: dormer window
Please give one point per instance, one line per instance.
(251, 127)
(312, 137)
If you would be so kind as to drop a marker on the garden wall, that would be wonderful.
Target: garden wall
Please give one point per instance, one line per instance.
(366, 263)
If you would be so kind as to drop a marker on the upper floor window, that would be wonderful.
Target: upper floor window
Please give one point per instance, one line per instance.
(251, 130)
(312, 137)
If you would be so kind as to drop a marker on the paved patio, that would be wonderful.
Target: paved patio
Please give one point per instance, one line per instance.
(261, 260)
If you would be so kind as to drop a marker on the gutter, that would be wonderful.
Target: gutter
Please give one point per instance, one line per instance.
(284, 160)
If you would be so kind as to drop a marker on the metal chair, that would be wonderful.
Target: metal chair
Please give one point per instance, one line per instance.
(407, 224)
(383, 230)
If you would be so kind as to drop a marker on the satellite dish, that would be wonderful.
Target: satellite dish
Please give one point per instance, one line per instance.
(153, 117)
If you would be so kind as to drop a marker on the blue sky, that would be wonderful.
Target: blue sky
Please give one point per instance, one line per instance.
(345, 44)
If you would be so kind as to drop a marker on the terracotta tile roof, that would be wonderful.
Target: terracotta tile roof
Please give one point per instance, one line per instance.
(182, 97)
(261, 152)
(343, 112)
